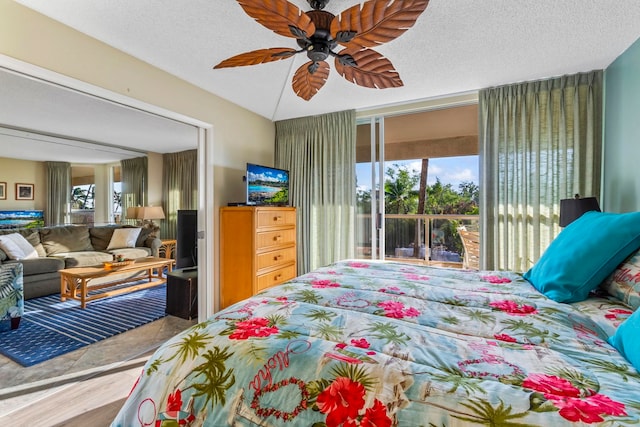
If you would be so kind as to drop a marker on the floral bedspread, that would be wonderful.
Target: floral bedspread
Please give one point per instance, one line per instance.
(380, 344)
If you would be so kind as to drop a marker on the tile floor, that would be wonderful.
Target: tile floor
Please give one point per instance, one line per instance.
(22, 388)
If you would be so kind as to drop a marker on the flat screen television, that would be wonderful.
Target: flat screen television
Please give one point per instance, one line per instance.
(267, 186)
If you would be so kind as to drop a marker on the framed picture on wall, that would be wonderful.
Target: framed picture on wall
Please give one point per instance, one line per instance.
(3, 191)
(24, 191)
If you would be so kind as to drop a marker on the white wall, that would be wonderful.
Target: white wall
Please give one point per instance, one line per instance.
(14, 171)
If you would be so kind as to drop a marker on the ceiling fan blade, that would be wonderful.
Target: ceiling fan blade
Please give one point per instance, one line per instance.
(373, 70)
(259, 56)
(306, 84)
(378, 21)
(278, 15)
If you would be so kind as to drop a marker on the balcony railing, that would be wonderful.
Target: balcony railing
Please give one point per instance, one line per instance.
(425, 239)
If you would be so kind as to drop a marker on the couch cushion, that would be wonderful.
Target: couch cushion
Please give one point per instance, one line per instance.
(15, 246)
(40, 265)
(58, 240)
(132, 253)
(143, 236)
(84, 258)
(32, 236)
(101, 236)
(124, 238)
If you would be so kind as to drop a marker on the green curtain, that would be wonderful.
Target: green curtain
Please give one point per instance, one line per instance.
(58, 192)
(179, 187)
(319, 153)
(134, 178)
(540, 142)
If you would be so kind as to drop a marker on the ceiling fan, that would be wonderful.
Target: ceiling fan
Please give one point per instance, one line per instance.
(318, 33)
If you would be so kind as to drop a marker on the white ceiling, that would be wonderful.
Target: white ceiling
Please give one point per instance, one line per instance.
(37, 119)
(456, 46)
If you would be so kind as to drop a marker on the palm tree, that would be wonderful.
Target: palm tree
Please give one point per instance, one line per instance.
(422, 194)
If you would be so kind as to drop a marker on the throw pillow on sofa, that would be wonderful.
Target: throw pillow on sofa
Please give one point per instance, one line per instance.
(17, 247)
(123, 238)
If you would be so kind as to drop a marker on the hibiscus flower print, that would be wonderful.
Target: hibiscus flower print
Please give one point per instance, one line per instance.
(504, 337)
(496, 280)
(416, 277)
(617, 315)
(324, 284)
(397, 310)
(513, 308)
(569, 400)
(343, 402)
(355, 264)
(257, 327)
(360, 343)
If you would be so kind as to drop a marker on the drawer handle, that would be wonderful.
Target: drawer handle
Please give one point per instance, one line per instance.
(277, 257)
(277, 218)
(277, 277)
(277, 238)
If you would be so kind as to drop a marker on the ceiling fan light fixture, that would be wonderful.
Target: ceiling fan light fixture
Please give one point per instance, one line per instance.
(358, 30)
(318, 4)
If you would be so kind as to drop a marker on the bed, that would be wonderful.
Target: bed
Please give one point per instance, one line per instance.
(375, 343)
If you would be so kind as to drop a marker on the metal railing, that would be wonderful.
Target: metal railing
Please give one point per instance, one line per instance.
(426, 239)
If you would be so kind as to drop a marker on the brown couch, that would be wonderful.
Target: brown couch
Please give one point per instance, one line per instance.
(71, 246)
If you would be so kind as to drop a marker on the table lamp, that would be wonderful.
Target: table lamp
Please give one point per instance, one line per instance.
(572, 209)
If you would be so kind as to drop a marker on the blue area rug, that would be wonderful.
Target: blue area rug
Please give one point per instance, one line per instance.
(40, 336)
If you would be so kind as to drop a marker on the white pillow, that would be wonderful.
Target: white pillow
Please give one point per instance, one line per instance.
(124, 238)
(17, 247)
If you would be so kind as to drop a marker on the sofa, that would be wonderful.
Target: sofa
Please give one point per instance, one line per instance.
(58, 247)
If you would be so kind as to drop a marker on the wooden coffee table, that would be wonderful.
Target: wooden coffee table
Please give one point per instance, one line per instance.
(75, 283)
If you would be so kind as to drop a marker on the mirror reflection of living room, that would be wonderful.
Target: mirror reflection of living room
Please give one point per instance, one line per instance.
(90, 245)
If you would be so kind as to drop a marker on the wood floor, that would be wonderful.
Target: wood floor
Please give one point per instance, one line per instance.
(84, 388)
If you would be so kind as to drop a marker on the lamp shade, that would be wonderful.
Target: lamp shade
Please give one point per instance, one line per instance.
(132, 212)
(150, 212)
(145, 212)
(572, 209)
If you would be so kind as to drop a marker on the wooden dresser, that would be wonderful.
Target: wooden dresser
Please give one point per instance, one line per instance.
(257, 250)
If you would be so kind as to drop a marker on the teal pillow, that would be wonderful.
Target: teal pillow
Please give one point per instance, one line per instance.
(627, 339)
(584, 254)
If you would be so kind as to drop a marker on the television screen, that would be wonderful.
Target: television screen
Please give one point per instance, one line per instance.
(267, 186)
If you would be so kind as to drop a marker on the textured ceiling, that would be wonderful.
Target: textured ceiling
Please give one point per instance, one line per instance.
(456, 46)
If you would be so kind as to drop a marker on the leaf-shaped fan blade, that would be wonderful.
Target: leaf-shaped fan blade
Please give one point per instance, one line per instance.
(259, 56)
(373, 70)
(378, 21)
(305, 84)
(278, 15)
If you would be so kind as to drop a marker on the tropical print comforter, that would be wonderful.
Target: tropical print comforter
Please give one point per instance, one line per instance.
(384, 344)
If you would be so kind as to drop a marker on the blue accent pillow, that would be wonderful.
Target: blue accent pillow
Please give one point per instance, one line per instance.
(627, 339)
(584, 254)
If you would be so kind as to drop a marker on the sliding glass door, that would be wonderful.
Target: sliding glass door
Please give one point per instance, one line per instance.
(417, 185)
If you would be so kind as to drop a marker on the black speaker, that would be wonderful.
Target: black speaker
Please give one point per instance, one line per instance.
(187, 239)
(182, 294)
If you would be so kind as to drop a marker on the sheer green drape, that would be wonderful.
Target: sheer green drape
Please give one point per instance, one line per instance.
(179, 187)
(539, 142)
(319, 152)
(134, 178)
(58, 192)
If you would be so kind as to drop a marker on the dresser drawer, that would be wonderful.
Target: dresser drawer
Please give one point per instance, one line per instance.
(268, 239)
(276, 277)
(273, 258)
(272, 218)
